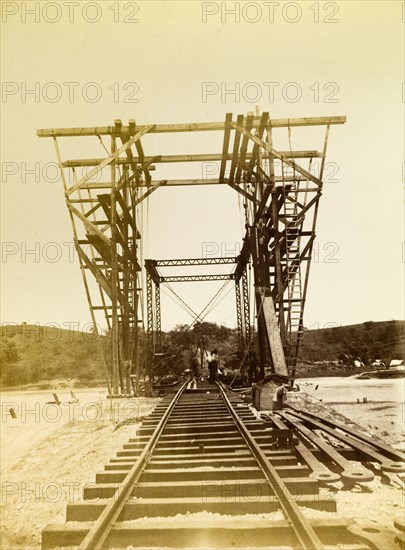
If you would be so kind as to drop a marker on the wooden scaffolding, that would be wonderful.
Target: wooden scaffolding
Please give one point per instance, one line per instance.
(280, 189)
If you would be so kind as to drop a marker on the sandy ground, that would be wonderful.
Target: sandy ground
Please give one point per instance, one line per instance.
(49, 456)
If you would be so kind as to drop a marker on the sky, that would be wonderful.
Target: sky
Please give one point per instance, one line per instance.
(89, 63)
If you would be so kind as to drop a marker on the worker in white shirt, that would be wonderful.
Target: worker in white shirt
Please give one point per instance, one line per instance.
(213, 366)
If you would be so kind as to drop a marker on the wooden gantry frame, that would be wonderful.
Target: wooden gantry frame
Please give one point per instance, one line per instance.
(281, 200)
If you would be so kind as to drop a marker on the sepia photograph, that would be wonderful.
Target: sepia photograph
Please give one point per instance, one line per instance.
(202, 275)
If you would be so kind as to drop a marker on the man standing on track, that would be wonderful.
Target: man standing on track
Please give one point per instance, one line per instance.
(194, 365)
(213, 366)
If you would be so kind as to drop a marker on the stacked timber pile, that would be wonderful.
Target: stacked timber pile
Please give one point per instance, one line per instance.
(307, 403)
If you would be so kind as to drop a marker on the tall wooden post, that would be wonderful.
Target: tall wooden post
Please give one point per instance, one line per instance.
(274, 213)
(114, 276)
(137, 285)
(86, 285)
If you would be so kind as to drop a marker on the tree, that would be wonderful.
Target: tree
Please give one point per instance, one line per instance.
(9, 358)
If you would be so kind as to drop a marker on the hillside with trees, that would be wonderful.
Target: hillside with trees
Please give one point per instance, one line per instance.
(36, 355)
(367, 341)
(31, 354)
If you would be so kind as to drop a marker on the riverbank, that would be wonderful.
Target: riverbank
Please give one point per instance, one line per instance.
(303, 372)
(56, 384)
(310, 370)
(377, 405)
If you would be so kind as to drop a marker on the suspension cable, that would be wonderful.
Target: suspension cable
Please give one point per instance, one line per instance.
(201, 315)
(180, 304)
(107, 151)
(191, 311)
(218, 302)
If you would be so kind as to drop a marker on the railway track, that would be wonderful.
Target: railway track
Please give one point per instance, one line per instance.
(204, 472)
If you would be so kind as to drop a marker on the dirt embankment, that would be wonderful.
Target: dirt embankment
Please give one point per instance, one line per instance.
(46, 464)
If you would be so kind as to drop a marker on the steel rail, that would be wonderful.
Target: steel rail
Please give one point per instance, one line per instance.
(304, 531)
(98, 533)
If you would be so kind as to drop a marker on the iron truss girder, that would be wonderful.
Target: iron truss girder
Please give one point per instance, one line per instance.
(196, 278)
(239, 316)
(194, 261)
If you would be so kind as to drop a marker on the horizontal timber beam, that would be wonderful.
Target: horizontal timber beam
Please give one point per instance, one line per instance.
(201, 157)
(208, 181)
(187, 127)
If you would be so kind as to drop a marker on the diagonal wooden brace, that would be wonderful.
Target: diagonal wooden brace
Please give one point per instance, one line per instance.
(109, 160)
(277, 154)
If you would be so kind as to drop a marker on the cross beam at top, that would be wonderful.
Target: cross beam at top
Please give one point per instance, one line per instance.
(188, 127)
(194, 261)
(152, 265)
